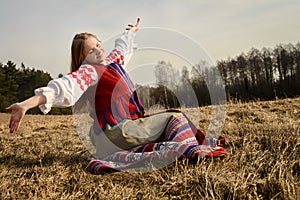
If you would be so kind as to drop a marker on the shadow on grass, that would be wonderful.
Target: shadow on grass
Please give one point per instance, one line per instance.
(48, 159)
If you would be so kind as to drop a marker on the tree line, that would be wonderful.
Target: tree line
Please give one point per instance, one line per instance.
(19, 83)
(264, 74)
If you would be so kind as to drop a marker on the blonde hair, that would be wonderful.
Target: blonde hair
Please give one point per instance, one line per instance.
(77, 50)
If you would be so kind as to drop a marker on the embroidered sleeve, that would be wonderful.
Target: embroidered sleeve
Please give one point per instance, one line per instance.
(65, 91)
(123, 49)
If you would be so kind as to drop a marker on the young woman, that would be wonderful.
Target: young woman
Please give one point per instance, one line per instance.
(121, 134)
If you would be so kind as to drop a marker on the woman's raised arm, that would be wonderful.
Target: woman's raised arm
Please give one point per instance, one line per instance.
(124, 46)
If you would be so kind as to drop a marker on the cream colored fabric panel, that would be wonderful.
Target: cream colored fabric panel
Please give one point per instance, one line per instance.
(132, 133)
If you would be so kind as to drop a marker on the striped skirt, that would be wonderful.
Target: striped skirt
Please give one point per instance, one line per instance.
(157, 141)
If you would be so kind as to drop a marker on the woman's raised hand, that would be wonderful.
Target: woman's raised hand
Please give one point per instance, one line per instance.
(134, 28)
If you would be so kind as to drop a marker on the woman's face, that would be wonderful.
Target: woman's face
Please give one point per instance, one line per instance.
(94, 51)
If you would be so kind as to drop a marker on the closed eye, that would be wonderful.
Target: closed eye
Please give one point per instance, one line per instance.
(91, 51)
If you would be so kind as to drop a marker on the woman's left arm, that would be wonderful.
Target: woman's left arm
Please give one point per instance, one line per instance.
(124, 45)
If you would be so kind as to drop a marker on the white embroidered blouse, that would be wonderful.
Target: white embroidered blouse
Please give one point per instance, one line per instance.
(65, 91)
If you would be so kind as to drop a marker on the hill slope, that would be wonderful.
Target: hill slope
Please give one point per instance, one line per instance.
(46, 159)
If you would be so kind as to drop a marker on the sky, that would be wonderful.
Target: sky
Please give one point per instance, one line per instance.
(39, 33)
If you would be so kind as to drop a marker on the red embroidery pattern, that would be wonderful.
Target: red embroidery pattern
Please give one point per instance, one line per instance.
(115, 56)
(82, 77)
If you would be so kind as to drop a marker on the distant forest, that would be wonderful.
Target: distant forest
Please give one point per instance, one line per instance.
(18, 84)
(264, 74)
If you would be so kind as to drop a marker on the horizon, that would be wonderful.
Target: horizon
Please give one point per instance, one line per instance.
(18, 65)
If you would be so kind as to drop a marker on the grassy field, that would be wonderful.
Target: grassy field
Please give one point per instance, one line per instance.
(45, 159)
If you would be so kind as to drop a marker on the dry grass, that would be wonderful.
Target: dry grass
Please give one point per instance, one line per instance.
(44, 160)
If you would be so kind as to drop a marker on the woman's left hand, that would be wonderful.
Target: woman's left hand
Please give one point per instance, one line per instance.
(134, 28)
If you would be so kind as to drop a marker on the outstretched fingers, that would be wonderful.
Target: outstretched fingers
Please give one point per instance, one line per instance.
(13, 126)
(135, 27)
(17, 114)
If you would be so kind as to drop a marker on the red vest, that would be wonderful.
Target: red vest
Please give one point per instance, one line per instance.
(116, 98)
